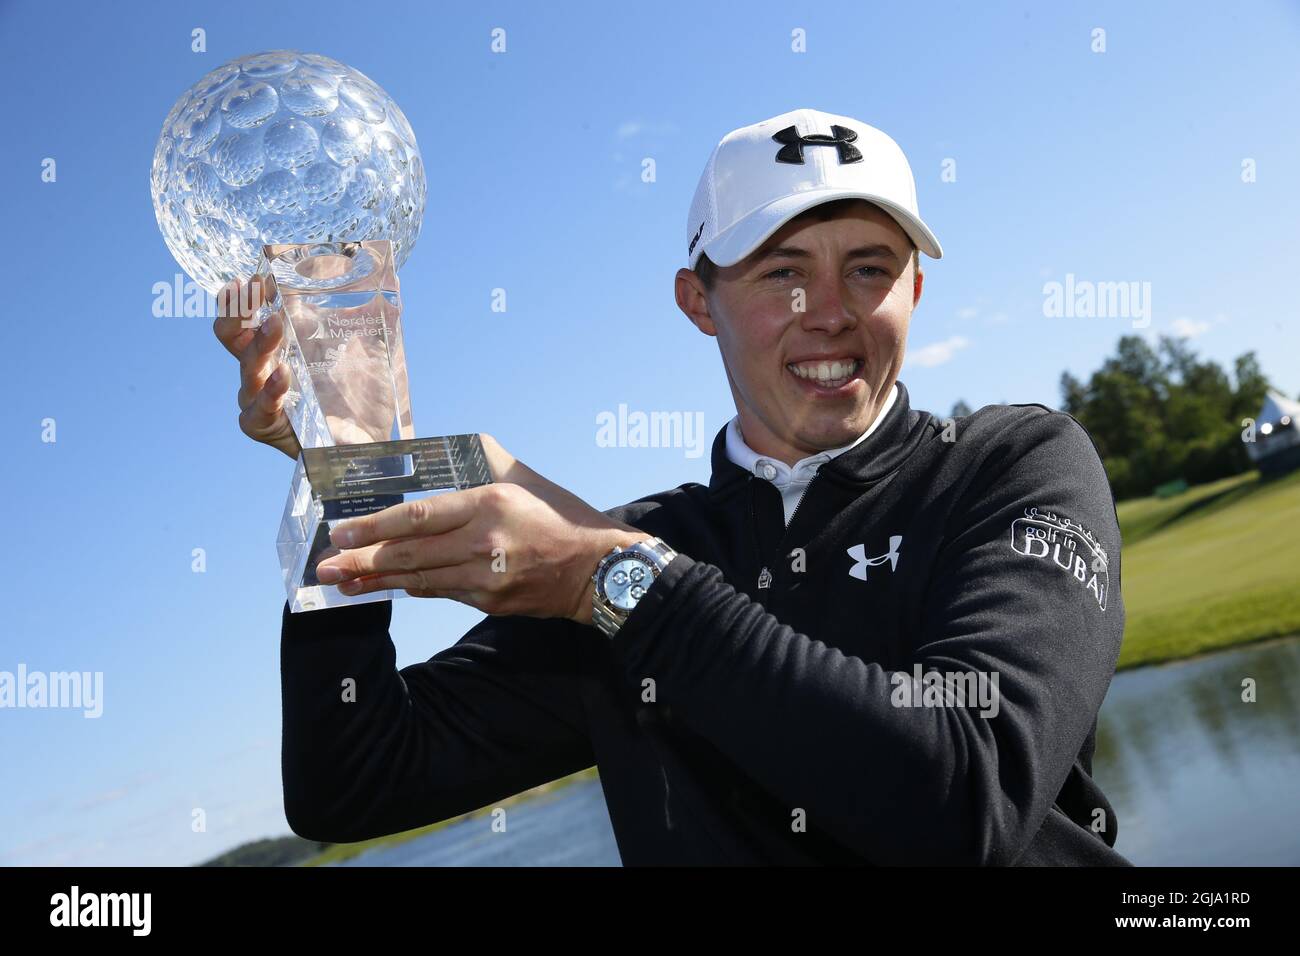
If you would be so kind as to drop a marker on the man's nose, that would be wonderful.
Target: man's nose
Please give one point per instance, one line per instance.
(827, 306)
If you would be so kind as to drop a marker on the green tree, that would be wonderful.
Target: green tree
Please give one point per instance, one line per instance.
(1159, 414)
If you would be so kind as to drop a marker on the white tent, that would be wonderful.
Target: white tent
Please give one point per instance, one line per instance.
(1276, 447)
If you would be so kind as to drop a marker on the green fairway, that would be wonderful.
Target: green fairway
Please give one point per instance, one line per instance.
(1211, 567)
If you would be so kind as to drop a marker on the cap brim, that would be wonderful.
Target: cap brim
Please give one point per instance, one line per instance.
(738, 241)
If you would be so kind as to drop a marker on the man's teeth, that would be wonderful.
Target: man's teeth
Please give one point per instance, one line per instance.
(826, 373)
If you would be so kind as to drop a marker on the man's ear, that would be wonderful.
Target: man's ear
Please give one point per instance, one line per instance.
(918, 280)
(693, 300)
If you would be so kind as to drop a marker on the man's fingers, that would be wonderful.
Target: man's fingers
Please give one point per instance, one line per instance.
(255, 380)
(436, 514)
(237, 303)
(258, 361)
(417, 585)
(262, 342)
(263, 409)
(450, 554)
(227, 325)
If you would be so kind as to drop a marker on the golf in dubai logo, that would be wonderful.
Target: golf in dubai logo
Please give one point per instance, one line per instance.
(1068, 545)
(861, 562)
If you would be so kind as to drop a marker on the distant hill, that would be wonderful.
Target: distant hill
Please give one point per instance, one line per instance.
(295, 851)
(280, 851)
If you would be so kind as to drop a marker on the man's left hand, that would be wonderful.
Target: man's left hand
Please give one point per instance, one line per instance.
(522, 545)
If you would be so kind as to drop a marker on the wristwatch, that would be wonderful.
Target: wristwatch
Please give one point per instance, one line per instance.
(621, 580)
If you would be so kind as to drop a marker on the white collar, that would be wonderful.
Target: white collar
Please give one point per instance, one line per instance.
(778, 472)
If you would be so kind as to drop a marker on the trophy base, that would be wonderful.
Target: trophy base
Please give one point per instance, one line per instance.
(339, 482)
(303, 541)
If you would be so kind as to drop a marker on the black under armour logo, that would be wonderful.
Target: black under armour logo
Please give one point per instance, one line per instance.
(841, 137)
(691, 247)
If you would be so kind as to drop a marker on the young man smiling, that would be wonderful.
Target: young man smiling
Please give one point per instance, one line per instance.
(771, 668)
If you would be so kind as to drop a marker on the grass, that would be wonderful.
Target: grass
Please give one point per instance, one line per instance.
(1212, 567)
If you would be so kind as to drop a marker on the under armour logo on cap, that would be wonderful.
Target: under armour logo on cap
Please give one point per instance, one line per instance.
(751, 186)
(695, 239)
(792, 151)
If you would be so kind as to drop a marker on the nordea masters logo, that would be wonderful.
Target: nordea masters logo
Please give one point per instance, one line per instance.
(347, 327)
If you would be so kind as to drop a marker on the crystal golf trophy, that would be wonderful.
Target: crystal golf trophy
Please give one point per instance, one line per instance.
(349, 404)
(295, 166)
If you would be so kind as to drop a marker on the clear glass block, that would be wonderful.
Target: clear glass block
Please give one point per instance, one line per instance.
(350, 405)
(303, 540)
(341, 308)
(337, 483)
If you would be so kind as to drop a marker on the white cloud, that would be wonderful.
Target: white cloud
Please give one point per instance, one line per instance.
(99, 799)
(1186, 328)
(629, 128)
(968, 313)
(937, 353)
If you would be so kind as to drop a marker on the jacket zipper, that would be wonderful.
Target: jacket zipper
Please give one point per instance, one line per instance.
(765, 575)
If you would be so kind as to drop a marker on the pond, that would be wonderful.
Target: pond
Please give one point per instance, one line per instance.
(1198, 777)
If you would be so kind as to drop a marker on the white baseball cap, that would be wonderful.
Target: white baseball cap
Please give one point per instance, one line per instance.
(762, 176)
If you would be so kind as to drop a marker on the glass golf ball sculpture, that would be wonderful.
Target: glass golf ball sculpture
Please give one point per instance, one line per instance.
(295, 166)
(283, 147)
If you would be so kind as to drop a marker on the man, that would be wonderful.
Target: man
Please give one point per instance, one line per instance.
(875, 636)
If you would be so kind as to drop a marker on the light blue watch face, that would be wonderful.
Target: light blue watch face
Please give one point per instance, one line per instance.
(626, 581)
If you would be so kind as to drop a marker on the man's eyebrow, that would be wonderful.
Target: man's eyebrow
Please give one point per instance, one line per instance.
(861, 252)
(874, 252)
(784, 252)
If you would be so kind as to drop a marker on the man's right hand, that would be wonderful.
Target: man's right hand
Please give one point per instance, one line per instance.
(263, 381)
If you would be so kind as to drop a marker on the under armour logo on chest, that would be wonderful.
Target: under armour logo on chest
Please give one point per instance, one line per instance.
(841, 138)
(861, 562)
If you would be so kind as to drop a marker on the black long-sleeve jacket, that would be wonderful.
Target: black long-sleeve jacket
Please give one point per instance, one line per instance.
(814, 713)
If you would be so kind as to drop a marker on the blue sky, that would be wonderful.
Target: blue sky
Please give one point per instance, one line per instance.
(1115, 166)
